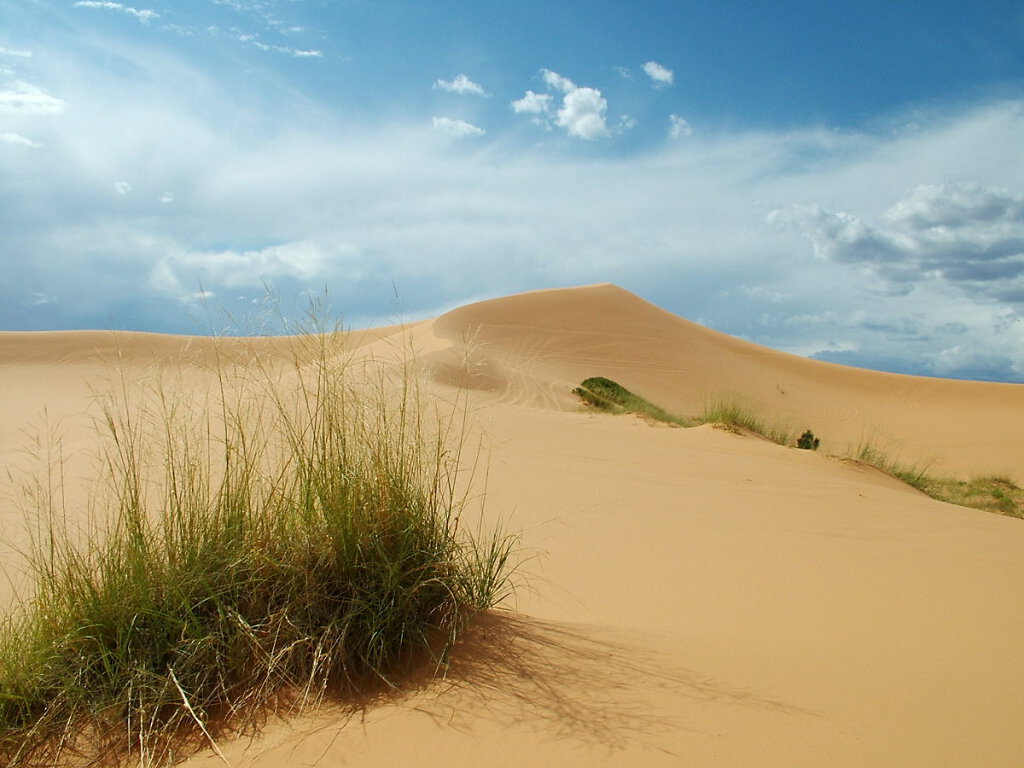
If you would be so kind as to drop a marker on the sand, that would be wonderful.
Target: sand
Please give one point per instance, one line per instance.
(691, 596)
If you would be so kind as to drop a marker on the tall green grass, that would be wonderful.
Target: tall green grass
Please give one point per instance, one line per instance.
(295, 533)
(990, 493)
(732, 412)
(915, 475)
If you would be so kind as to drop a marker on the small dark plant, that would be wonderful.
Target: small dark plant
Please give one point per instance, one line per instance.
(808, 441)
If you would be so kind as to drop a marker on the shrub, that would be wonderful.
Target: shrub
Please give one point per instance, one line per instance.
(274, 546)
(808, 441)
(608, 395)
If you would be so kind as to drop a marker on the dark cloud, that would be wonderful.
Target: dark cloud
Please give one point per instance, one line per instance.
(960, 232)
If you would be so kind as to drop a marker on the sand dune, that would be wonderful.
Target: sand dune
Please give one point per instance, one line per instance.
(533, 348)
(695, 597)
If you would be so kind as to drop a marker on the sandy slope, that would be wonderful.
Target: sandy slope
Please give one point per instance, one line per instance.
(696, 597)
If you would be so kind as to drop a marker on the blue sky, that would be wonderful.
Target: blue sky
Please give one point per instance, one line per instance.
(837, 180)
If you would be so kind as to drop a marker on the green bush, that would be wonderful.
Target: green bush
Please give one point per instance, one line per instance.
(808, 441)
(607, 395)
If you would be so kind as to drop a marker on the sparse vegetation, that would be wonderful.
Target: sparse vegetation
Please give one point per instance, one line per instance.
(911, 474)
(291, 543)
(732, 413)
(991, 493)
(607, 395)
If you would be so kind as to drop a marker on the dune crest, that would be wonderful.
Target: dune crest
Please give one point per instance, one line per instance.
(532, 348)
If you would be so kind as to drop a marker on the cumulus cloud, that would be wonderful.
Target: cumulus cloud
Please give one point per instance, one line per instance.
(583, 114)
(679, 127)
(583, 110)
(21, 98)
(533, 103)
(456, 127)
(960, 232)
(460, 84)
(145, 16)
(660, 75)
(18, 140)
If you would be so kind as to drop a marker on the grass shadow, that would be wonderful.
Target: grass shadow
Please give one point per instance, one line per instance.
(579, 683)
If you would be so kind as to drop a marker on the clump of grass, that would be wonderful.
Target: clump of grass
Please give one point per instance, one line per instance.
(298, 536)
(990, 493)
(607, 395)
(915, 475)
(732, 413)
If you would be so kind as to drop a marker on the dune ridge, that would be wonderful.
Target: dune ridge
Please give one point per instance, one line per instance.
(534, 347)
(694, 596)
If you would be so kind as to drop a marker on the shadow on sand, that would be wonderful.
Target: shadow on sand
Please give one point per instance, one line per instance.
(575, 682)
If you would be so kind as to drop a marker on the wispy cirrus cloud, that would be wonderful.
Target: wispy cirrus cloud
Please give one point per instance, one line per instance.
(21, 98)
(145, 16)
(460, 84)
(455, 127)
(679, 127)
(18, 140)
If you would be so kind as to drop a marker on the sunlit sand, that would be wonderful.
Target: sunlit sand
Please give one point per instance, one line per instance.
(688, 596)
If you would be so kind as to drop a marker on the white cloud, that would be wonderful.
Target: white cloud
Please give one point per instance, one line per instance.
(18, 140)
(959, 232)
(23, 98)
(122, 187)
(659, 74)
(15, 53)
(145, 16)
(533, 103)
(458, 128)
(557, 82)
(583, 114)
(167, 197)
(461, 84)
(301, 260)
(583, 110)
(287, 50)
(679, 127)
